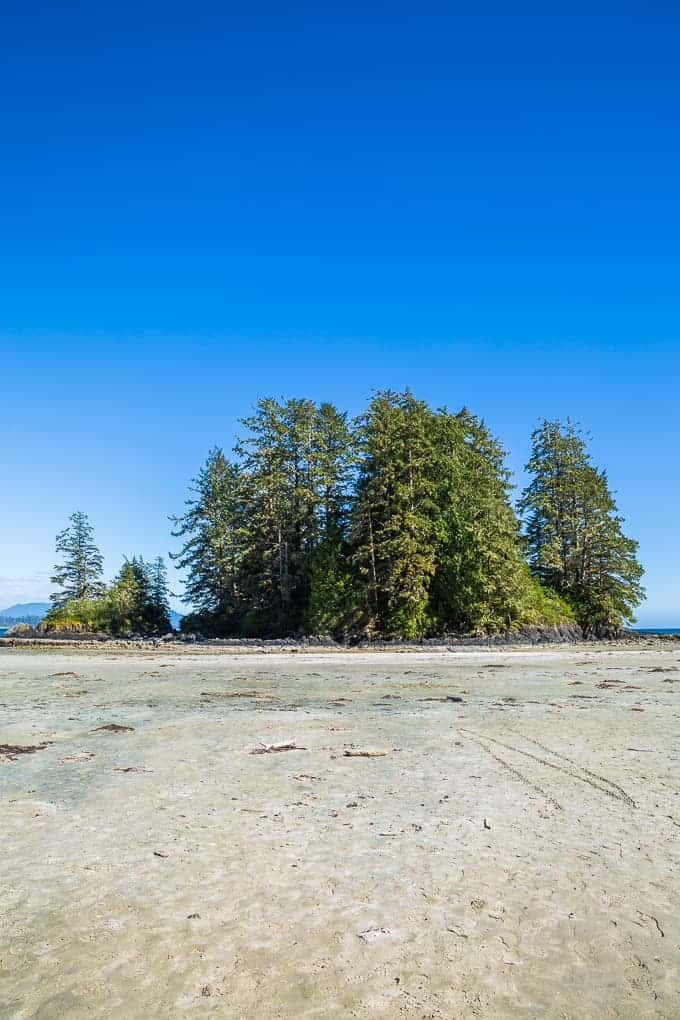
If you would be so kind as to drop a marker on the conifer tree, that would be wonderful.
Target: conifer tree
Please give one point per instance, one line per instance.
(393, 531)
(158, 614)
(482, 584)
(334, 462)
(214, 527)
(332, 591)
(127, 601)
(274, 464)
(296, 459)
(78, 576)
(142, 608)
(574, 534)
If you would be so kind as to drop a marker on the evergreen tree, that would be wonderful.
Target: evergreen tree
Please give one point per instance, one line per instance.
(394, 536)
(214, 527)
(259, 532)
(334, 462)
(276, 456)
(574, 533)
(127, 600)
(481, 584)
(158, 615)
(332, 592)
(297, 461)
(436, 540)
(78, 576)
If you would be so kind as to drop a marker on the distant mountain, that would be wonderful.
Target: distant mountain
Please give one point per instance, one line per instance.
(22, 609)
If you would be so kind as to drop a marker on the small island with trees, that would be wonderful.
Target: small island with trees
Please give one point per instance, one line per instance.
(398, 524)
(135, 603)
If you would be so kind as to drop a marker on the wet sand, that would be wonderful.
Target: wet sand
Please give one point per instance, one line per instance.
(512, 854)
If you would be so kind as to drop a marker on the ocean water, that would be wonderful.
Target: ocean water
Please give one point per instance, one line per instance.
(657, 630)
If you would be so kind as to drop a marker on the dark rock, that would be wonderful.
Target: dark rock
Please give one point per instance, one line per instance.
(602, 632)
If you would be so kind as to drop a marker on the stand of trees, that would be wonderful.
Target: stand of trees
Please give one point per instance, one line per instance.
(398, 524)
(136, 602)
(574, 535)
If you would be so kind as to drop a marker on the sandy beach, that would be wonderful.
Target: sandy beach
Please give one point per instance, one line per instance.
(512, 851)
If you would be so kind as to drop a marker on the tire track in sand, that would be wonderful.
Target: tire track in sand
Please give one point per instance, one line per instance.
(579, 772)
(480, 741)
(619, 791)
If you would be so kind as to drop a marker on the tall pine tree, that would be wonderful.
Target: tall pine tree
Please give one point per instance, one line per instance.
(574, 534)
(393, 534)
(332, 592)
(78, 576)
(482, 583)
(127, 600)
(215, 527)
(158, 611)
(297, 461)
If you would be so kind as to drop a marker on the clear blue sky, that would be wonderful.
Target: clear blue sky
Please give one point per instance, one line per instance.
(204, 203)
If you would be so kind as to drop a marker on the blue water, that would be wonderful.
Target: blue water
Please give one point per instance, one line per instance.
(657, 630)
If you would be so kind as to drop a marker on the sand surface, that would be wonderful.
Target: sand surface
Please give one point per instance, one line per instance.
(514, 854)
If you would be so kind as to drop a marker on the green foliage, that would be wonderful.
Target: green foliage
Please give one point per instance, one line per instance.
(214, 526)
(540, 605)
(393, 535)
(79, 615)
(435, 537)
(482, 584)
(332, 587)
(252, 526)
(134, 603)
(78, 576)
(574, 535)
(158, 605)
(398, 524)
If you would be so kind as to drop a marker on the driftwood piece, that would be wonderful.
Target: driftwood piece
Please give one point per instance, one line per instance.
(261, 695)
(449, 697)
(272, 748)
(357, 753)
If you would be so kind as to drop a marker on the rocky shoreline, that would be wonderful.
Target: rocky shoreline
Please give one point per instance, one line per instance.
(564, 634)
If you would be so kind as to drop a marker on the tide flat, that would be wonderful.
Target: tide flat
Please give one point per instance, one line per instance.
(509, 848)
